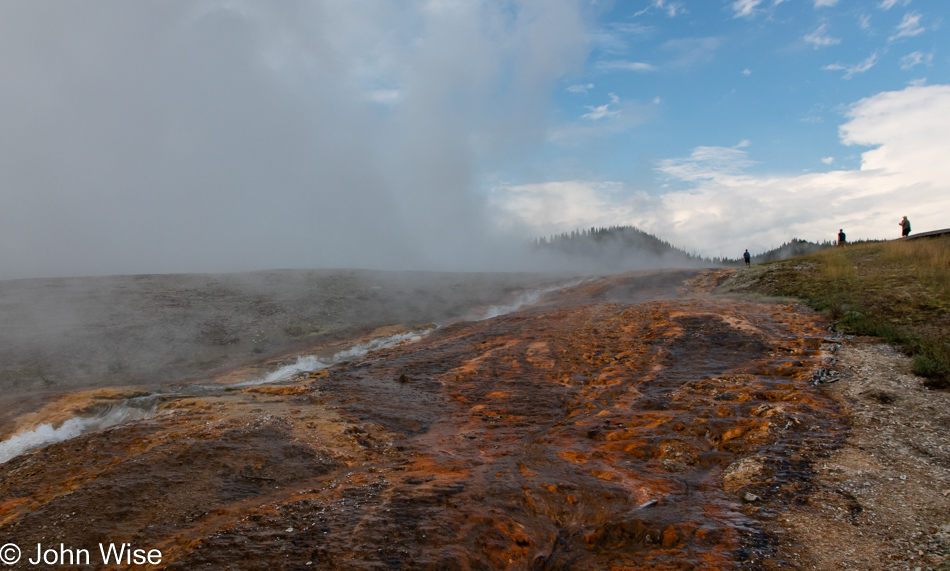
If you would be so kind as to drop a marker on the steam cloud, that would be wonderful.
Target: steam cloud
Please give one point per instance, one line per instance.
(224, 135)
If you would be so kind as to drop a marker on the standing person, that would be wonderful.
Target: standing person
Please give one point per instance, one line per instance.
(747, 258)
(905, 226)
(842, 239)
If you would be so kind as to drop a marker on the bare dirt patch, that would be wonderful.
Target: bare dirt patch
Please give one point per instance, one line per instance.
(880, 501)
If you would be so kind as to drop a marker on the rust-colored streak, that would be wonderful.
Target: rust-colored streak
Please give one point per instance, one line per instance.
(586, 436)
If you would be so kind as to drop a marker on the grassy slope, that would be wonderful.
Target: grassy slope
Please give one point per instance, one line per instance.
(899, 291)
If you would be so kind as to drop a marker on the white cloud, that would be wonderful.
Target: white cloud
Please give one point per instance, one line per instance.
(864, 21)
(909, 27)
(672, 9)
(602, 111)
(707, 163)
(747, 71)
(828, 160)
(888, 4)
(608, 119)
(852, 70)
(563, 206)
(580, 88)
(825, 3)
(599, 112)
(916, 58)
(724, 209)
(910, 129)
(744, 8)
(623, 65)
(820, 39)
(657, 100)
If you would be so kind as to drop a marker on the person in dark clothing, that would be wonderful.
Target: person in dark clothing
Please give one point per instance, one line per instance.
(747, 258)
(905, 226)
(842, 239)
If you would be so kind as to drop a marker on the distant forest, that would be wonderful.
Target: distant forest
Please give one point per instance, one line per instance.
(627, 246)
(791, 249)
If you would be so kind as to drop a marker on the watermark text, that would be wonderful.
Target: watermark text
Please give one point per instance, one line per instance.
(106, 554)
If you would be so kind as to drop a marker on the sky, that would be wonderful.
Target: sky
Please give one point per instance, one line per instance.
(231, 135)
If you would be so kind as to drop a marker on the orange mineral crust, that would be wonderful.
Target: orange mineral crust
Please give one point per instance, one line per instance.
(575, 435)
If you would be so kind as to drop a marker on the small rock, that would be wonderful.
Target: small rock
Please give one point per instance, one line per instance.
(289, 530)
(750, 497)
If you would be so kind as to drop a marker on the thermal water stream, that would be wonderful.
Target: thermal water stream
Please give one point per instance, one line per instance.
(46, 434)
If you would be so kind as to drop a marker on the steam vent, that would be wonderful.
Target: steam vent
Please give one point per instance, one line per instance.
(594, 430)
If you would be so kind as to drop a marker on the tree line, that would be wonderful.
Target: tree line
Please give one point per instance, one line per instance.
(619, 242)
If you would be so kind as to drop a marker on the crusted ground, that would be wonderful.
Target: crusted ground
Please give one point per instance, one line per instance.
(591, 431)
(595, 430)
(881, 500)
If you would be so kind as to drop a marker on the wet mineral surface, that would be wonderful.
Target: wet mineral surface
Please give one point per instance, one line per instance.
(592, 431)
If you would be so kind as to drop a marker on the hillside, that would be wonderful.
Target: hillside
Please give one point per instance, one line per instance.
(620, 248)
(790, 249)
(898, 291)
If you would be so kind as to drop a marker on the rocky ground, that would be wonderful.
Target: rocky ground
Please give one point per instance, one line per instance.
(632, 422)
(881, 500)
(68, 334)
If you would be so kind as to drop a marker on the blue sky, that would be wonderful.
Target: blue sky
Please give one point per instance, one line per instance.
(718, 73)
(767, 84)
(231, 135)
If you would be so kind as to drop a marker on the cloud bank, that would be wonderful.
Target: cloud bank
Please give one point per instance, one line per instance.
(724, 210)
(226, 135)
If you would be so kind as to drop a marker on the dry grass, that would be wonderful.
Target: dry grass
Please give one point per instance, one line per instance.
(899, 291)
(837, 266)
(928, 261)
